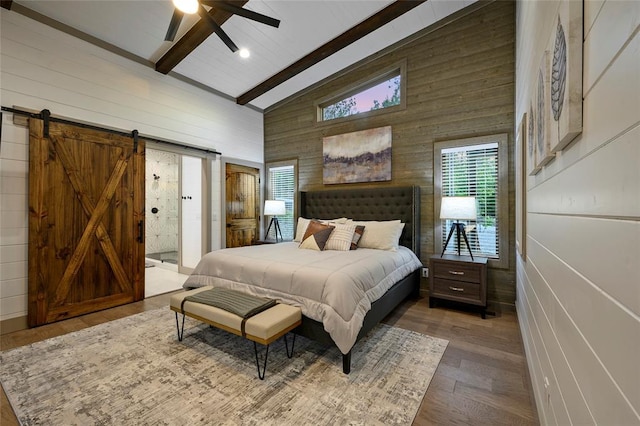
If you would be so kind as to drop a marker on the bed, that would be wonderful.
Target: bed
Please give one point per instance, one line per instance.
(277, 270)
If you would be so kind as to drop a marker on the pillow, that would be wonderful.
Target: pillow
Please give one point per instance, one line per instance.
(301, 228)
(316, 236)
(357, 234)
(341, 237)
(303, 223)
(381, 235)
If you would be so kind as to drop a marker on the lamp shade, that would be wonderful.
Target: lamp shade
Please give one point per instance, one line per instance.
(274, 208)
(460, 208)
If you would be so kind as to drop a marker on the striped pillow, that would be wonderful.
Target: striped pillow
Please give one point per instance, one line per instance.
(341, 237)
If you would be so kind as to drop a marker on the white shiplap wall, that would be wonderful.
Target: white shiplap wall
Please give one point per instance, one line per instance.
(578, 289)
(44, 68)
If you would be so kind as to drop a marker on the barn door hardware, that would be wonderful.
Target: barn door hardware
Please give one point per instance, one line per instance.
(46, 117)
(140, 233)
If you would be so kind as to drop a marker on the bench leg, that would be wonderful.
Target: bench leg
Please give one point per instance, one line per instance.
(180, 329)
(286, 345)
(264, 367)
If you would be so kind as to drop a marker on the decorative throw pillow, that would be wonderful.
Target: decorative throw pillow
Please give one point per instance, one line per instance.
(301, 227)
(341, 237)
(316, 236)
(357, 234)
(384, 235)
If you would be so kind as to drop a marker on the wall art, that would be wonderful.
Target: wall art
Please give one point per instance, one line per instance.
(565, 75)
(542, 104)
(530, 163)
(363, 156)
(521, 184)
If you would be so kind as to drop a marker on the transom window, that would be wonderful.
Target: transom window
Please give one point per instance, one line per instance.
(384, 91)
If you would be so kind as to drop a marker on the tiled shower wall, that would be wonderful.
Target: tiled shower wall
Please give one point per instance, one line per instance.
(161, 193)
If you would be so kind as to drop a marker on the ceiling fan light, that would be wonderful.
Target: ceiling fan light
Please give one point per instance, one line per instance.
(186, 6)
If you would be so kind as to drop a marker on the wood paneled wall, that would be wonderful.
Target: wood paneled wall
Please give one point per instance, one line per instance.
(460, 83)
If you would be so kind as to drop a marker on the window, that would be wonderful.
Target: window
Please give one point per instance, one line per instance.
(475, 167)
(383, 91)
(282, 185)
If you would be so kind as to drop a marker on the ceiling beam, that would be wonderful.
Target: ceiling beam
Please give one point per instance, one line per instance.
(6, 4)
(352, 35)
(193, 38)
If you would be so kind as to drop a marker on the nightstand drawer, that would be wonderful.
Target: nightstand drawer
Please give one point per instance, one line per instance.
(463, 291)
(457, 271)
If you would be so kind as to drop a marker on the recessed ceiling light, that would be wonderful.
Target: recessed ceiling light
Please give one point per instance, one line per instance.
(244, 53)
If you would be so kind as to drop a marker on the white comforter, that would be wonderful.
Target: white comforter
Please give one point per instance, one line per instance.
(332, 287)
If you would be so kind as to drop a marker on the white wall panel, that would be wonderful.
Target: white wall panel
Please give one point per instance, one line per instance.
(578, 297)
(617, 21)
(591, 10)
(606, 183)
(573, 309)
(558, 396)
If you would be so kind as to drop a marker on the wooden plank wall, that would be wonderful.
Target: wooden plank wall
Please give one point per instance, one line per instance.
(460, 83)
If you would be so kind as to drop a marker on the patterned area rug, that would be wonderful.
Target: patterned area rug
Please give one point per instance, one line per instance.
(134, 371)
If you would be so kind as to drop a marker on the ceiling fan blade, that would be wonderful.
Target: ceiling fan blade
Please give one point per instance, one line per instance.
(255, 16)
(217, 29)
(176, 19)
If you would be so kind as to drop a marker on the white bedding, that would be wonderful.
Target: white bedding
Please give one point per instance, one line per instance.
(332, 287)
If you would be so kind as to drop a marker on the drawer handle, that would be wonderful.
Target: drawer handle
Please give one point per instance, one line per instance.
(460, 289)
(456, 272)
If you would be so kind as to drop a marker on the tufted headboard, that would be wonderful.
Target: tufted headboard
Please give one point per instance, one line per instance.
(384, 203)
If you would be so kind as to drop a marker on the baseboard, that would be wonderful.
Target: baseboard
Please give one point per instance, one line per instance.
(13, 324)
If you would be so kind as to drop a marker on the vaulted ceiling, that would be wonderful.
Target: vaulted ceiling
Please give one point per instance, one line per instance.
(315, 39)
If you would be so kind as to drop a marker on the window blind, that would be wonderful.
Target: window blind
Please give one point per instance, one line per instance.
(282, 187)
(473, 171)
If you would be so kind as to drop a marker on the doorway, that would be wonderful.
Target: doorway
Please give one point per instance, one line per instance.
(175, 207)
(242, 188)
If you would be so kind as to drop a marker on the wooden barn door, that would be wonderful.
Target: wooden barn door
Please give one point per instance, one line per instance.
(242, 205)
(86, 221)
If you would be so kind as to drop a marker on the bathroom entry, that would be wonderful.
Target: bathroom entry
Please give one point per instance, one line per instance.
(174, 210)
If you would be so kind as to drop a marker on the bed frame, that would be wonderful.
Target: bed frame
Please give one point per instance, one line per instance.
(383, 203)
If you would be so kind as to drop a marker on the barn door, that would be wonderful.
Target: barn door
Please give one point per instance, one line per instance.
(242, 205)
(86, 221)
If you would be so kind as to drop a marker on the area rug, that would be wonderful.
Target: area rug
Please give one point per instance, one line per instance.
(134, 371)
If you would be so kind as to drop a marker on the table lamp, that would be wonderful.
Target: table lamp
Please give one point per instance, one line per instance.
(274, 208)
(458, 208)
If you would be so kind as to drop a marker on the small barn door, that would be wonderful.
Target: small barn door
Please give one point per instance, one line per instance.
(86, 221)
(242, 205)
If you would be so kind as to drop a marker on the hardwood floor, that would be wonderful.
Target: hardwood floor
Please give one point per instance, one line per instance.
(482, 378)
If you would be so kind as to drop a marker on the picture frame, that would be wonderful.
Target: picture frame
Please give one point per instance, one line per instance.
(521, 184)
(530, 160)
(565, 75)
(542, 102)
(363, 156)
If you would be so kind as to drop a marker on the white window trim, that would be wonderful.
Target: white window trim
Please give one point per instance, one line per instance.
(503, 191)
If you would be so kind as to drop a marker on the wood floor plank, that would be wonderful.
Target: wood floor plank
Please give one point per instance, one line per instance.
(481, 380)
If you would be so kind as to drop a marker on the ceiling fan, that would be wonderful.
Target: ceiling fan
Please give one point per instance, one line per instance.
(197, 6)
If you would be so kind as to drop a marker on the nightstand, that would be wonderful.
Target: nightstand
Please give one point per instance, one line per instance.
(458, 278)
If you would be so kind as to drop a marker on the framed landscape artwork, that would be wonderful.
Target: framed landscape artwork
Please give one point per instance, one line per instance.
(565, 75)
(363, 156)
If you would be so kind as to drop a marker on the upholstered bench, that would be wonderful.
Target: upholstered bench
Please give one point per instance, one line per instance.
(264, 327)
